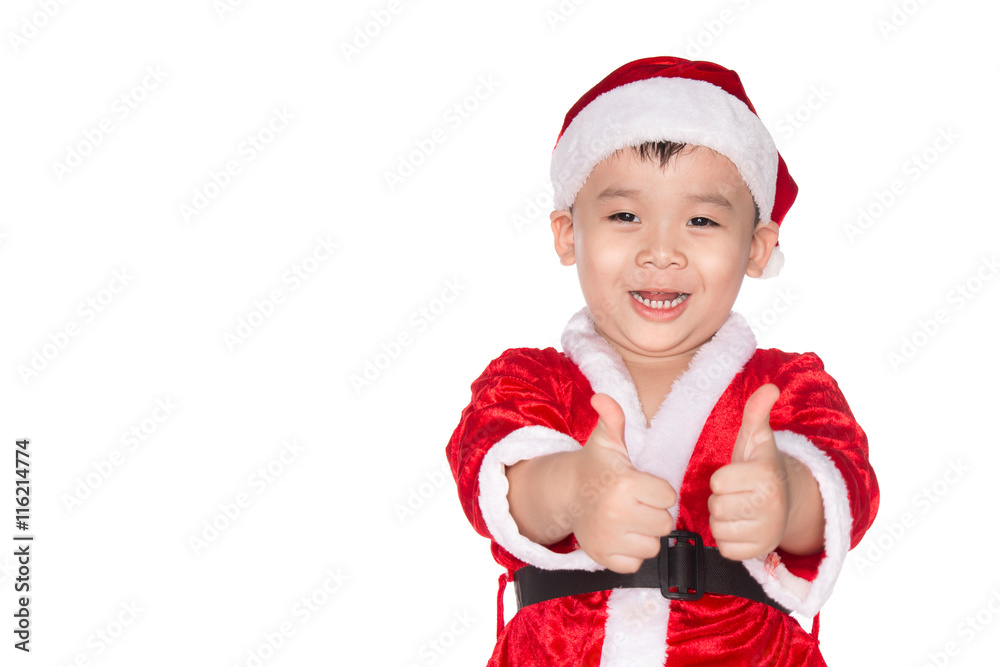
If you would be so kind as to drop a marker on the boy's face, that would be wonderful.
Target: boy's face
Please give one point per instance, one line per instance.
(682, 237)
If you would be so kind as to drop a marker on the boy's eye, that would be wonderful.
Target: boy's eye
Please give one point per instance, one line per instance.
(702, 222)
(625, 217)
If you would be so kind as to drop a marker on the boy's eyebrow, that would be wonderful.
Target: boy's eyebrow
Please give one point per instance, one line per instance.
(617, 191)
(709, 198)
(715, 198)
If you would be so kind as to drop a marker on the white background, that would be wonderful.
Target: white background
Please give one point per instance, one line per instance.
(850, 98)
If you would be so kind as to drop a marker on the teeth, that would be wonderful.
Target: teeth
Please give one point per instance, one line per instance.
(660, 304)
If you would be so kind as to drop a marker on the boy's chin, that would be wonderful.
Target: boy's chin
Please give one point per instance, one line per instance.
(651, 345)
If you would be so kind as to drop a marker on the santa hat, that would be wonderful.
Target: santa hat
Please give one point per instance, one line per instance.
(673, 99)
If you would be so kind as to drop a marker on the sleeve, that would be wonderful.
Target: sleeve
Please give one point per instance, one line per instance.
(522, 407)
(813, 423)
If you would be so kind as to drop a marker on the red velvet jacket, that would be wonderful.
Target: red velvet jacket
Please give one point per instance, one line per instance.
(530, 402)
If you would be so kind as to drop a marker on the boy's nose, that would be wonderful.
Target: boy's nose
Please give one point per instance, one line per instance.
(661, 249)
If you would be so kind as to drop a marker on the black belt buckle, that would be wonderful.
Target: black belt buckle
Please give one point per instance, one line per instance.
(681, 566)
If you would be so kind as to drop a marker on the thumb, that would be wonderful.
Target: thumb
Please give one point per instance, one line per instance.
(610, 429)
(755, 430)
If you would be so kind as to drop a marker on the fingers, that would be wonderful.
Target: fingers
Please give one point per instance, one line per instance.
(748, 523)
(648, 521)
(625, 552)
(738, 538)
(742, 550)
(737, 506)
(621, 564)
(646, 512)
(743, 478)
(653, 491)
(635, 549)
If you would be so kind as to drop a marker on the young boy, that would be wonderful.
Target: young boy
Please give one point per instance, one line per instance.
(662, 492)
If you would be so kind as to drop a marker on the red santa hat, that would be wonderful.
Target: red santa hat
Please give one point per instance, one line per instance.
(673, 99)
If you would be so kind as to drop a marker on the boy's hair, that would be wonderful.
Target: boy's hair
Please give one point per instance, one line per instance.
(660, 152)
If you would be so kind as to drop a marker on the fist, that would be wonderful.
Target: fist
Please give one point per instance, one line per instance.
(622, 512)
(749, 505)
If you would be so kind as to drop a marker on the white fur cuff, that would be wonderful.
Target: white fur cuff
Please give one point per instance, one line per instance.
(794, 592)
(525, 443)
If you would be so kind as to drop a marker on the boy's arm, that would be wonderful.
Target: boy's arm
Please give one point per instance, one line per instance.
(814, 431)
(526, 404)
(530, 410)
(806, 521)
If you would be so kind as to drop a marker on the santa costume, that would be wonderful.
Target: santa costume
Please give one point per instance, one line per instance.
(531, 402)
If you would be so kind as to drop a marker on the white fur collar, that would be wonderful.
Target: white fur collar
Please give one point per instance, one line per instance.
(664, 448)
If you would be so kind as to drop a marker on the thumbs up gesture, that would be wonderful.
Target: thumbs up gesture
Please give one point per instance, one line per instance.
(749, 506)
(622, 513)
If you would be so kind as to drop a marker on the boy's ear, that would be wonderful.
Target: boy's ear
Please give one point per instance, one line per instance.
(562, 231)
(765, 237)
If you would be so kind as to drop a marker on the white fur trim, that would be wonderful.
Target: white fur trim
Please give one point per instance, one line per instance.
(665, 447)
(662, 449)
(525, 443)
(774, 264)
(799, 594)
(629, 609)
(666, 109)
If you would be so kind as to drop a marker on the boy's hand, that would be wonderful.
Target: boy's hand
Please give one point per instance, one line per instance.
(622, 513)
(749, 505)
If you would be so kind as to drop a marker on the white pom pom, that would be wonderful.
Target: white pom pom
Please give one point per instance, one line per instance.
(774, 264)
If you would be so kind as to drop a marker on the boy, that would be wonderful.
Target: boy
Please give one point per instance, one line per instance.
(663, 492)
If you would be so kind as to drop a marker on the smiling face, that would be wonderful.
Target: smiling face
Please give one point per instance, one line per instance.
(661, 252)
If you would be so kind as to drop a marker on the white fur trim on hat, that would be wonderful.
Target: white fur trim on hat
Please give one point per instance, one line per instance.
(666, 109)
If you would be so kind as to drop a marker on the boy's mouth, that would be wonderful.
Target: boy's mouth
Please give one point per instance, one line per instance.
(660, 299)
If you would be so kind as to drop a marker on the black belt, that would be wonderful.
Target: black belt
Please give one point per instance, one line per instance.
(683, 570)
